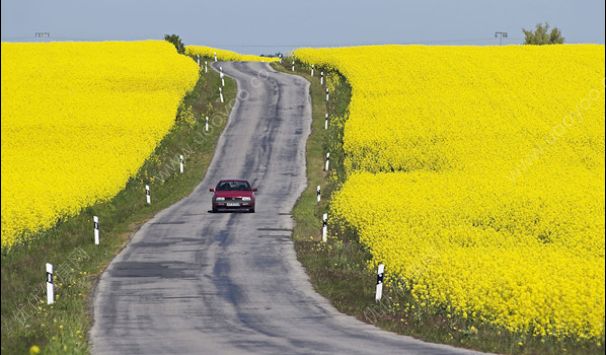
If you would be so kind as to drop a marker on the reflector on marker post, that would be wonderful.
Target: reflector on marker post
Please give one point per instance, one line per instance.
(325, 227)
(50, 291)
(147, 194)
(379, 290)
(96, 229)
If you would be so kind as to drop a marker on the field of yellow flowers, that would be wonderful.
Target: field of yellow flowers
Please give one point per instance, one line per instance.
(79, 119)
(476, 174)
(223, 54)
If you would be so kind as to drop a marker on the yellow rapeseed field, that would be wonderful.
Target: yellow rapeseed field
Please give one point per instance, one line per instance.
(429, 106)
(223, 54)
(78, 120)
(477, 175)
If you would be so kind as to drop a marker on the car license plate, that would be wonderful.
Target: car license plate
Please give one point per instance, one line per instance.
(233, 204)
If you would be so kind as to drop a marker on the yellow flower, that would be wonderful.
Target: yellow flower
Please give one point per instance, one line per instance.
(34, 349)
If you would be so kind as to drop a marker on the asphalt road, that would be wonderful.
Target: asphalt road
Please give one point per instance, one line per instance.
(193, 282)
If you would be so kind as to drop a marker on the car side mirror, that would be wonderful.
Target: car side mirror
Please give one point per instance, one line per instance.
(211, 190)
(254, 189)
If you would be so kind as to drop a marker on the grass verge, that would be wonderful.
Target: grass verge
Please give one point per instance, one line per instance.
(338, 269)
(28, 324)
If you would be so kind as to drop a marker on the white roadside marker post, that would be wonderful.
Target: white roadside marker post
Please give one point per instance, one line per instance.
(222, 80)
(327, 162)
(327, 95)
(326, 120)
(312, 70)
(50, 287)
(206, 124)
(325, 227)
(198, 59)
(379, 291)
(318, 197)
(147, 194)
(221, 95)
(280, 56)
(205, 66)
(322, 78)
(181, 164)
(293, 65)
(96, 229)
(215, 56)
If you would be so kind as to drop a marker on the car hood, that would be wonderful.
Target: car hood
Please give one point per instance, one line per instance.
(234, 194)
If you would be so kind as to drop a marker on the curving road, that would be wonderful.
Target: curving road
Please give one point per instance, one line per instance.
(192, 282)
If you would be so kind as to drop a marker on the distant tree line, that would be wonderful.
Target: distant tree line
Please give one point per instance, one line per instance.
(542, 35)
(176, 41)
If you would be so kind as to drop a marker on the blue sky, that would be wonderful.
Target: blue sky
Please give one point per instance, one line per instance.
(271, 25)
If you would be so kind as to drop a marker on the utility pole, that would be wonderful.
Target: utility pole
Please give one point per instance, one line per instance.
(500, 35)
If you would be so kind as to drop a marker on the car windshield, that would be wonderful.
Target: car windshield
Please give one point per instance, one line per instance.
(233, 186)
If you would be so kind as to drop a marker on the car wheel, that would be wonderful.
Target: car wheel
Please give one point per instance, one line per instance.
(252, 210)
(214, 210)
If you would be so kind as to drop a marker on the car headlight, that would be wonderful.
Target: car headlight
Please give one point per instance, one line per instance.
(220, 199)
(245, 198)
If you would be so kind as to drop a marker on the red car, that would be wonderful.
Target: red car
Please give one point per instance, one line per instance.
(233, 195)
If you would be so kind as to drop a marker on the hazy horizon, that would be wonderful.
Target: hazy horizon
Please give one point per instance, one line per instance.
(248, 27)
